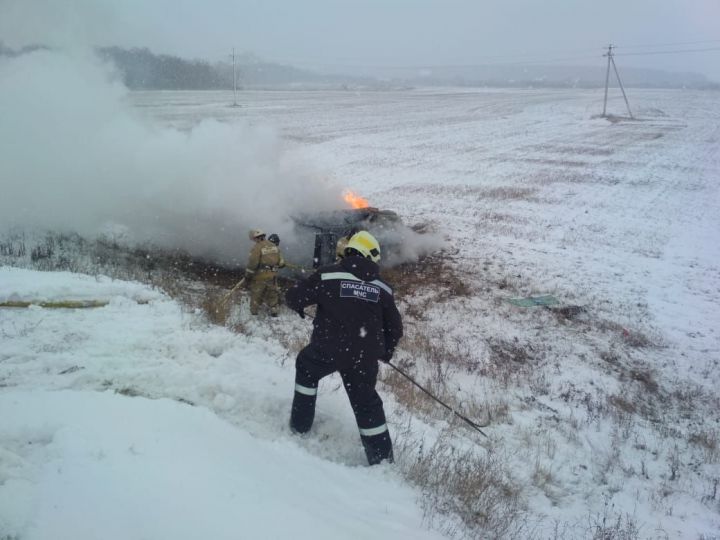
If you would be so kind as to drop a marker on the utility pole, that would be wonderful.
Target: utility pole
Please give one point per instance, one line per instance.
(235, 103)
(611, 60)
(607, 78)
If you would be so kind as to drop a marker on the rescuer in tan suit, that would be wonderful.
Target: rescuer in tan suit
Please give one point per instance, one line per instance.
(261, 273)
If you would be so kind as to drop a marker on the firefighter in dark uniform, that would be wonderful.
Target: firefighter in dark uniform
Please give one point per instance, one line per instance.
(357, 324)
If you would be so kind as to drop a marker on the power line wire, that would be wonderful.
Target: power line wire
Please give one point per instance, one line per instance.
(551, 60)
(648, 46)
(535, 60)
(350, 62)
(495, 60)
(679, 51)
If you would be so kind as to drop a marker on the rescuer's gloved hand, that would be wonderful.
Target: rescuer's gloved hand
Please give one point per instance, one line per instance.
(387, 356)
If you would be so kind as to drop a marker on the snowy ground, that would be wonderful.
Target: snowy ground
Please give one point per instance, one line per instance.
(120, 453)
(609, 416)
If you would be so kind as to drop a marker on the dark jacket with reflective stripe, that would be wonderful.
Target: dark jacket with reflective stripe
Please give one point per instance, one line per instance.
(357, 320)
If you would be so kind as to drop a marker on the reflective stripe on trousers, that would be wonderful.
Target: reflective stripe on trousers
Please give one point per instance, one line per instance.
(371, 432)
(305, 390)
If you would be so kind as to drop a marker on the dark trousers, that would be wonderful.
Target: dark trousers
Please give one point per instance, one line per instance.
(359, 382)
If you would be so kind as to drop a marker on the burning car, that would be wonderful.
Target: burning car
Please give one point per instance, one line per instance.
(324, 229)
(317, 234)
(329, 227)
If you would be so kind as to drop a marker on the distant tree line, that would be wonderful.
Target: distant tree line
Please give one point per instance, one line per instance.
(143, 70)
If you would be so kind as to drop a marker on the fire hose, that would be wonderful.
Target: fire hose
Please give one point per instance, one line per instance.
(228, 295)
(242, 282)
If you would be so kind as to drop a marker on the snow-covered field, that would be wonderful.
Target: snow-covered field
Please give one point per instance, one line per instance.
(605, 416)
(624, 213)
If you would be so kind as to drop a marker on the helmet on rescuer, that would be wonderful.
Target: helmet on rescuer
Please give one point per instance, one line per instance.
(365, 244)
(274, 238)
(255, 234)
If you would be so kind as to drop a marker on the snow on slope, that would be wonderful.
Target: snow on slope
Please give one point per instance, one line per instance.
(89, 461)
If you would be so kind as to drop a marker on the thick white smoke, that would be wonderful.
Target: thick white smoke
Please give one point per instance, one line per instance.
(75, 156)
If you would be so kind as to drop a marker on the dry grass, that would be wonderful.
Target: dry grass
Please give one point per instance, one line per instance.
(560, 163)
(478, 193)
(409, 396)
(622, 403)
(708, 442)
(130, 391)
(439, 358)
(432, 347)
(630, 336)
(542, 476)
(508, 193)
(464, 483)
(217, 306)
(510, 362)
(499, 218)
(434, 273)
(622, 526)
(645, 377)
(584, 150)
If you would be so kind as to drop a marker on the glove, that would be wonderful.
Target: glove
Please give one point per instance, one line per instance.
(387, 356)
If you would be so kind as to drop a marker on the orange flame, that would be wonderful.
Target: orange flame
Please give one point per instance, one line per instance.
(355, 200)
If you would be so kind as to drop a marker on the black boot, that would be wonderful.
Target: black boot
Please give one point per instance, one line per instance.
(302, 413)
(378, 448)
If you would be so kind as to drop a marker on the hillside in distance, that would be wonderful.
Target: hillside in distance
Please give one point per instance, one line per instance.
(142, 69)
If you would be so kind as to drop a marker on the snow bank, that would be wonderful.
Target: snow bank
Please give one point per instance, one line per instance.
(21, 285)
(88, 465)
(79, 459)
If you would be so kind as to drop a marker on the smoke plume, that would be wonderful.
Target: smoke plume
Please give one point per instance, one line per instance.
(75, 156)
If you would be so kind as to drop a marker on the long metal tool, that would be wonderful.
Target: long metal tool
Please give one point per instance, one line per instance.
(472, 424)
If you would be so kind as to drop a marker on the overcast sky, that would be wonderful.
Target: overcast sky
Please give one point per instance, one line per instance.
(317, 33)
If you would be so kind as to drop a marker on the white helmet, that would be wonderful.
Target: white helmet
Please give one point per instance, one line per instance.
(255, 234)
(365, 244)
